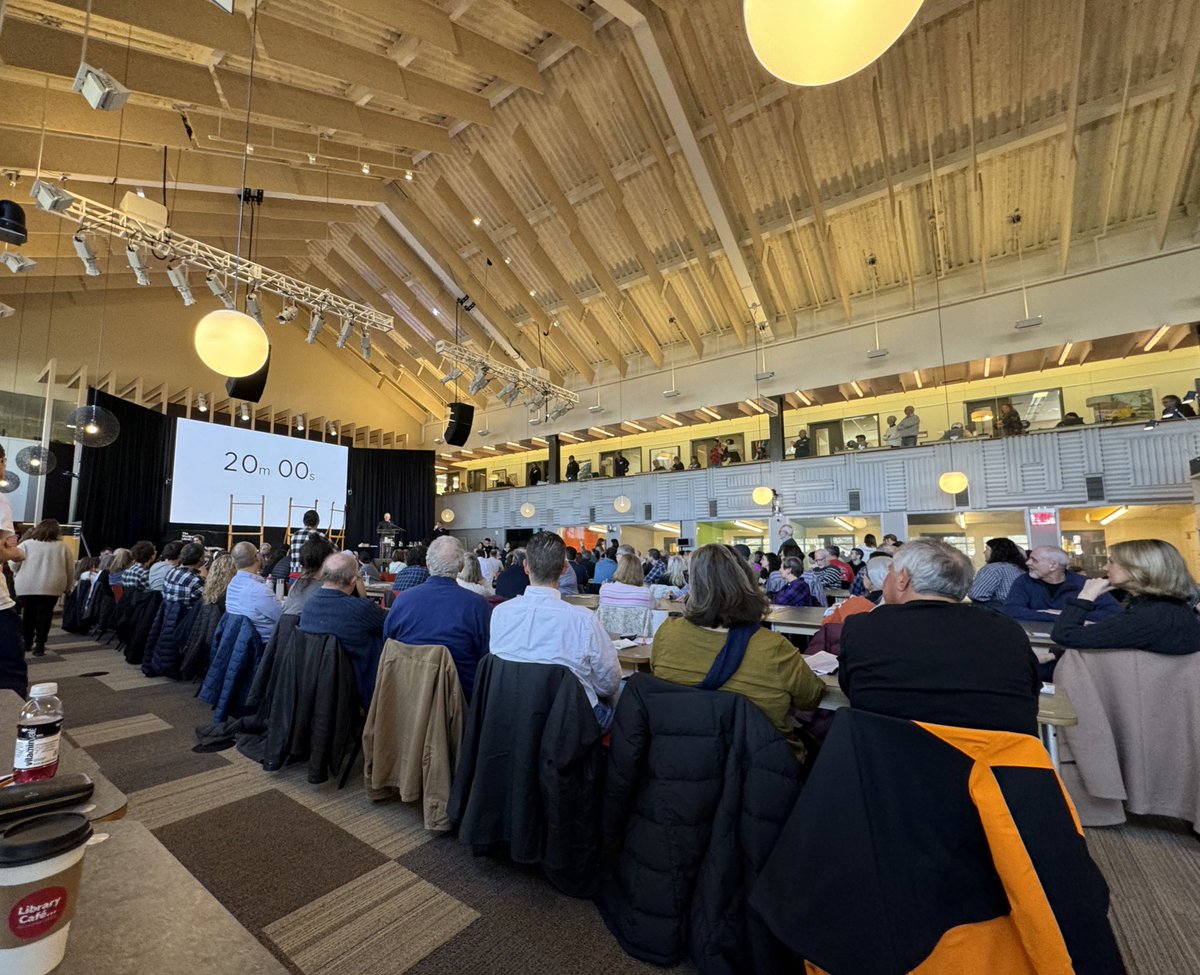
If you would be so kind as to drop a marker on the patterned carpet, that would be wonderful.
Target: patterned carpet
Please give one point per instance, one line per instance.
(334, 884)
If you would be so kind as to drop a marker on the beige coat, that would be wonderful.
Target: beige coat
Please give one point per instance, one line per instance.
(414, 729)
(1137, 744)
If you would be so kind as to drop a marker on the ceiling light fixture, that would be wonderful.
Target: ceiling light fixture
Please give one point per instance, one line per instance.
(202, 403)
(637, 426)
(762, 495)
(1155, 338)
(138, 266)
(477, 220)
(917, 377)
(542, 442)
(711, 413)
(287, 314)
(815, 42)
(953, 482)
(217, 287)
(479, 380)
(803, 399)
(253, 309)
(1065, 353)
(1113, 515)
(857, 388)
(758, 529)
(408, 175)
(663, 526)
(17, 263)
(91, 267)
(754, 404)
(622, 504)
(177, 275)
(562, 436)
(366, 169)
(231, 343)
(599, 430)
(843, 523)
(98, 88)
(452, 375)
(670, 419)
(315, 323)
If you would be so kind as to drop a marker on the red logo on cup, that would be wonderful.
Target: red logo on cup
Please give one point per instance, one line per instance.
(35, 914)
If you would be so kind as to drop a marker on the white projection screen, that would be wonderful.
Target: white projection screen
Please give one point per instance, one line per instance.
(213, 462)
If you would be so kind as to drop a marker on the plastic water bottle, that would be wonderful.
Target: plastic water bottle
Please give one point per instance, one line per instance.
(39, 729)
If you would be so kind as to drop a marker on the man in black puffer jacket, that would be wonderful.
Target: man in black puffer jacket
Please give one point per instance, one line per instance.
(699, 785)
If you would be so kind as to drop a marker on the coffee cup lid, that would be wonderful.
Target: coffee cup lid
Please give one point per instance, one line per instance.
(42, 837)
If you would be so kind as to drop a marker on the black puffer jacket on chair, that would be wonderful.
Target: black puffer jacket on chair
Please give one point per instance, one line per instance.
(698, 787)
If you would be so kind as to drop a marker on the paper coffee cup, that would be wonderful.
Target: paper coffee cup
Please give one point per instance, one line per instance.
(41, 863)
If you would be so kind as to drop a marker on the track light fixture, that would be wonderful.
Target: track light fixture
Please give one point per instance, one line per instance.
(51, 198)
(365, 345)
(315, 323)
(140, 271)
(217, 287)
(17, 263)
(300, 423)
(288, 314)
(177, 275)
(479, 380)
(91, 267)
(202, 403)
(100, 89)
(253, 308)
(452, 375)
(245, 413)
(344, 333)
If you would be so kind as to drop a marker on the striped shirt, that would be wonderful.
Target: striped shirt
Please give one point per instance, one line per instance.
(299, 537)
(623, 594)
(136, 577)
(182, 585)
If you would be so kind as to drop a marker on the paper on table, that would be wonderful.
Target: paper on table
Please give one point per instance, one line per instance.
(822, 662)
(624, 644)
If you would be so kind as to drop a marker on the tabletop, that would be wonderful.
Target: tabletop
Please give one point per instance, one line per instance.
(806, 620)
(592, 601)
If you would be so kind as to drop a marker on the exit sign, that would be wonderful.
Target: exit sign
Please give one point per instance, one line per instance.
(1039, 517)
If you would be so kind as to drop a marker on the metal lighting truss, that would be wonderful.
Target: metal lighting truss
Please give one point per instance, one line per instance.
(542, 390)
(98, 218)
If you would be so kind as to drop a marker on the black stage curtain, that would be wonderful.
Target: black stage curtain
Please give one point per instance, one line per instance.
(122, 487)
(399, 481)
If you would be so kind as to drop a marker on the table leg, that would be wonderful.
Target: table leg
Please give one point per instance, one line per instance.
(1051, 743)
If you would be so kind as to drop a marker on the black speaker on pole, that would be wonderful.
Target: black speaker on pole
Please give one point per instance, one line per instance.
(459, 427)
(249, 388)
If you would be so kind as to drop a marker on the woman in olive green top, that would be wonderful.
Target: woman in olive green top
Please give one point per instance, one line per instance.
(724, 595)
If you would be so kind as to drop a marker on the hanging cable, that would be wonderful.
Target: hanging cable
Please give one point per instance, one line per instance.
(245, 145)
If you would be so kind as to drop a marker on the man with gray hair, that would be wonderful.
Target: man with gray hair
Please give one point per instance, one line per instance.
(442, 613)
(335, 610)
(925, 655)
(248, 594)
(1042, 594)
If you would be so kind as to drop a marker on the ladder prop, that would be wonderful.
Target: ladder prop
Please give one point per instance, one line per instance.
(261, 505)
(337, 536)
(293, 506)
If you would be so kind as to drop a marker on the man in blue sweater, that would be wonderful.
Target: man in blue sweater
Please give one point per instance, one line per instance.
(1042, 594)
(440, 612)
(339, 609)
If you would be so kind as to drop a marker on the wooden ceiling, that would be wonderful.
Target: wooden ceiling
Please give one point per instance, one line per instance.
(605, 180)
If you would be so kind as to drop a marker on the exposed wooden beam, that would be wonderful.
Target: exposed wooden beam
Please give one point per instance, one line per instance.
(1070, 151)
(1184, 118)
(560, 18)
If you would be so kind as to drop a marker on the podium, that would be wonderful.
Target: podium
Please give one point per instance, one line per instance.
(387, 542)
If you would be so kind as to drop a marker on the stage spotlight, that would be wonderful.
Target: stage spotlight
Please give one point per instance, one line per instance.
(83, 248)
(177, 274)
(315, 324)
(217, 287)
(99, 89)
(288, 314)
(245, 413)
(479, 380)
(365, 345)
(51, 198)
(140, 271)
(202, 403)
(452, 375)
(17, 262)
(344, 334)
(300, 423)
(253, 308)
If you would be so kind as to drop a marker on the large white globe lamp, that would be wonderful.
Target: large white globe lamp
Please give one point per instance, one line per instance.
(231, 342)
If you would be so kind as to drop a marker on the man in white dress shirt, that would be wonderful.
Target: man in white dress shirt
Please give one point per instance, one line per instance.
(248, 594)
(540, 628)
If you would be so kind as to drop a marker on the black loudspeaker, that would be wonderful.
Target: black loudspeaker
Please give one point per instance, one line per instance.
(249, 388)
(459, 427)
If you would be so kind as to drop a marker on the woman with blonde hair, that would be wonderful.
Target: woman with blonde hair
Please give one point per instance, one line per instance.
(625, 588)
(1158, 616)
(220, 573)
(122, 559)
(720, 643)
(471, 576)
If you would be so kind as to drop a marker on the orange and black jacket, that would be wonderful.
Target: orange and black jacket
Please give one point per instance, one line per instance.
(932, 850)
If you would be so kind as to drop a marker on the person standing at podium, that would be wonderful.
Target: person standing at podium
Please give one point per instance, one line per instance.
(386, 530)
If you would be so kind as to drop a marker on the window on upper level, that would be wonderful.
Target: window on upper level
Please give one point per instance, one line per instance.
(1040, 409)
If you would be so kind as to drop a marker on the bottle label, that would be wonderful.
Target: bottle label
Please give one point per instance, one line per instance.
(37, 744)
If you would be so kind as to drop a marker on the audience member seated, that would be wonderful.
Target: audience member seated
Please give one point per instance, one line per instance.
(513, 581)
(471, 579)
(926, 656)
(771, 575)
(122, 559)
(625, 588)
(197, 650)
(1043, 592)
(655, 568)
(1158, 617)
(184, 582)
(835, 559)
(674, 581)
(790, 550)
(443, 613)
(825, 569)
(795, 591)
(414, 572)
(568, 584)
(339, 609)
(538, 627)
(579, 567)
(720, 642)
(1004, 564)
(1070, 420)
(605, 566)
(829, 636)
(182, 589)
(367, 569)
(489, 562)
(313, 554)
(137, 576)
(247, 594)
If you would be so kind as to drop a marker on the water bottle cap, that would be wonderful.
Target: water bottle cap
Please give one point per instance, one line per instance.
(43, 690)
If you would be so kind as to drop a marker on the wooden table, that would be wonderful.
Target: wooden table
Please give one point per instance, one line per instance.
(806, 620)
(592, 601)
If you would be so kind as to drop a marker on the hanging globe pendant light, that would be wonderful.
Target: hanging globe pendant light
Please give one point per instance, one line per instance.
(36, 460)
(818, 42)
(231, 343)
(953, 482)
(93, 426)
(9, 482)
